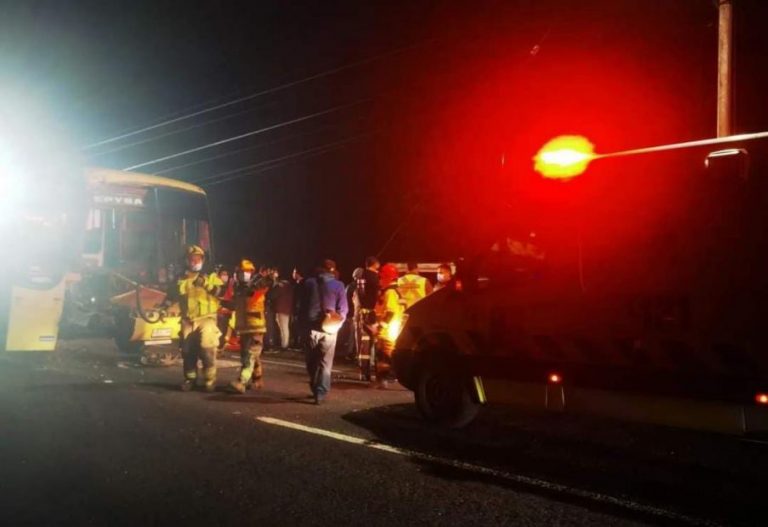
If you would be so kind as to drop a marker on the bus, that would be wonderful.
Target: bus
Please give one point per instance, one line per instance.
(136, 228)
(41, 214)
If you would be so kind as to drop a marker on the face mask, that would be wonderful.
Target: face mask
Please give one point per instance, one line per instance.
(246, 276)
(196, 267)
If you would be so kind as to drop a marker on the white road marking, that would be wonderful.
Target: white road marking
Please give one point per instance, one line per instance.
(516, 478)
(755, 441)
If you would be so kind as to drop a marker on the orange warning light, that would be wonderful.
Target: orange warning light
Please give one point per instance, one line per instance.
(555, 378)
(761, 398)
(564, 157)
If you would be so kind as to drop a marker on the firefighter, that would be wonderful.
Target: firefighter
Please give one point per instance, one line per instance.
(197, 293)
(250, 324)
(389, 312)
(367, 294)
(412, 286)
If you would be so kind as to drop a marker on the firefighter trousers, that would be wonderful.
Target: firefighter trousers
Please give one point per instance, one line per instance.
(251, 345)
(383, 354)
(199, 339)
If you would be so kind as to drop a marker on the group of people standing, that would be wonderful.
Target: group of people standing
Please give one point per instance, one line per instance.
(314, 310)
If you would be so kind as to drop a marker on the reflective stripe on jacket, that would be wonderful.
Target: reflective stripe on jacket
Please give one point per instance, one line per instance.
(250, 310)
(199, 300)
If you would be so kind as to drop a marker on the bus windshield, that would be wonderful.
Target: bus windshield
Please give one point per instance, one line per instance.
(183, 221)
(139, 232)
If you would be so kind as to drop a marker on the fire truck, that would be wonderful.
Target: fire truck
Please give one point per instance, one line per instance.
(637, 290)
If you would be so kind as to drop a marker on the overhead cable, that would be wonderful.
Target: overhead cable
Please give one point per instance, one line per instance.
(247, 134)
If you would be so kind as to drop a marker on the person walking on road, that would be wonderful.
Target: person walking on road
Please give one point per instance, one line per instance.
(198, 295)
(250, 325)
(325, 308)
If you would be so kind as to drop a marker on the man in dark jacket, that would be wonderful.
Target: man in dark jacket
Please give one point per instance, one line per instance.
(368, 284)
(323, 294)
(367, 293)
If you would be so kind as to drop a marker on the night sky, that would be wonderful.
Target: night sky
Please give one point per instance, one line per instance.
(428, 97)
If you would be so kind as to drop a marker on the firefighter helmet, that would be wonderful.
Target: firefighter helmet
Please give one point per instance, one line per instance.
(247, 265)
(388, 274)
(195, 250)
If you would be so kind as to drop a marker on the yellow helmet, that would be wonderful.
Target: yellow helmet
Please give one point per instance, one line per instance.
(195, 249)
(247, 265)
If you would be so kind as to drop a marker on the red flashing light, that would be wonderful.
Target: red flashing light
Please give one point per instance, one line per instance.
(458, 286)
(564, 157)
(555, 378)
(761, 398)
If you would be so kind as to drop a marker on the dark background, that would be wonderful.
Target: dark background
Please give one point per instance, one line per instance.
(435, 93)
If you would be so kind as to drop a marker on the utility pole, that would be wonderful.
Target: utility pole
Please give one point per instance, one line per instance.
(725, 68)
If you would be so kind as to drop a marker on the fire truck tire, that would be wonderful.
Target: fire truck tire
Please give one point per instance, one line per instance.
(443, 396)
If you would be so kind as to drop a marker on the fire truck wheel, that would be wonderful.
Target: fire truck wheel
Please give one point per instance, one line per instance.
(443, 396)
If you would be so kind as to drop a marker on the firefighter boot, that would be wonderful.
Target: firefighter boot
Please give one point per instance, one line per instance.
(236, 387)
(210, 379)
(188, 385)
(256, 382)
(209, 368)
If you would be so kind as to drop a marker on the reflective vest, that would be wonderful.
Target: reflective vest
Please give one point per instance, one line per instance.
(412, 288)
(199, 301)
(250, 314)
(389, 305)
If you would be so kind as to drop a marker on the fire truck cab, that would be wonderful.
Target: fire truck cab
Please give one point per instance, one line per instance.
(637, 291)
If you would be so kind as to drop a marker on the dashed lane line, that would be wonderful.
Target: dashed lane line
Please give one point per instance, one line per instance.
(486, 471)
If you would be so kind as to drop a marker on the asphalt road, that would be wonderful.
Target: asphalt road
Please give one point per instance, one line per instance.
(90, 437)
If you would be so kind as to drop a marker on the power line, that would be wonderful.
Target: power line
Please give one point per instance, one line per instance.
(245, 149)
(274, 89)
(221, 177)
(180, 130)
(171, 115)
(276, 165)
(211, 145)
(377, 130)
(247, 134)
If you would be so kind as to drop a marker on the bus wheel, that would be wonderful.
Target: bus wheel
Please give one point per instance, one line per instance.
(123, 330)
(443, 396)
